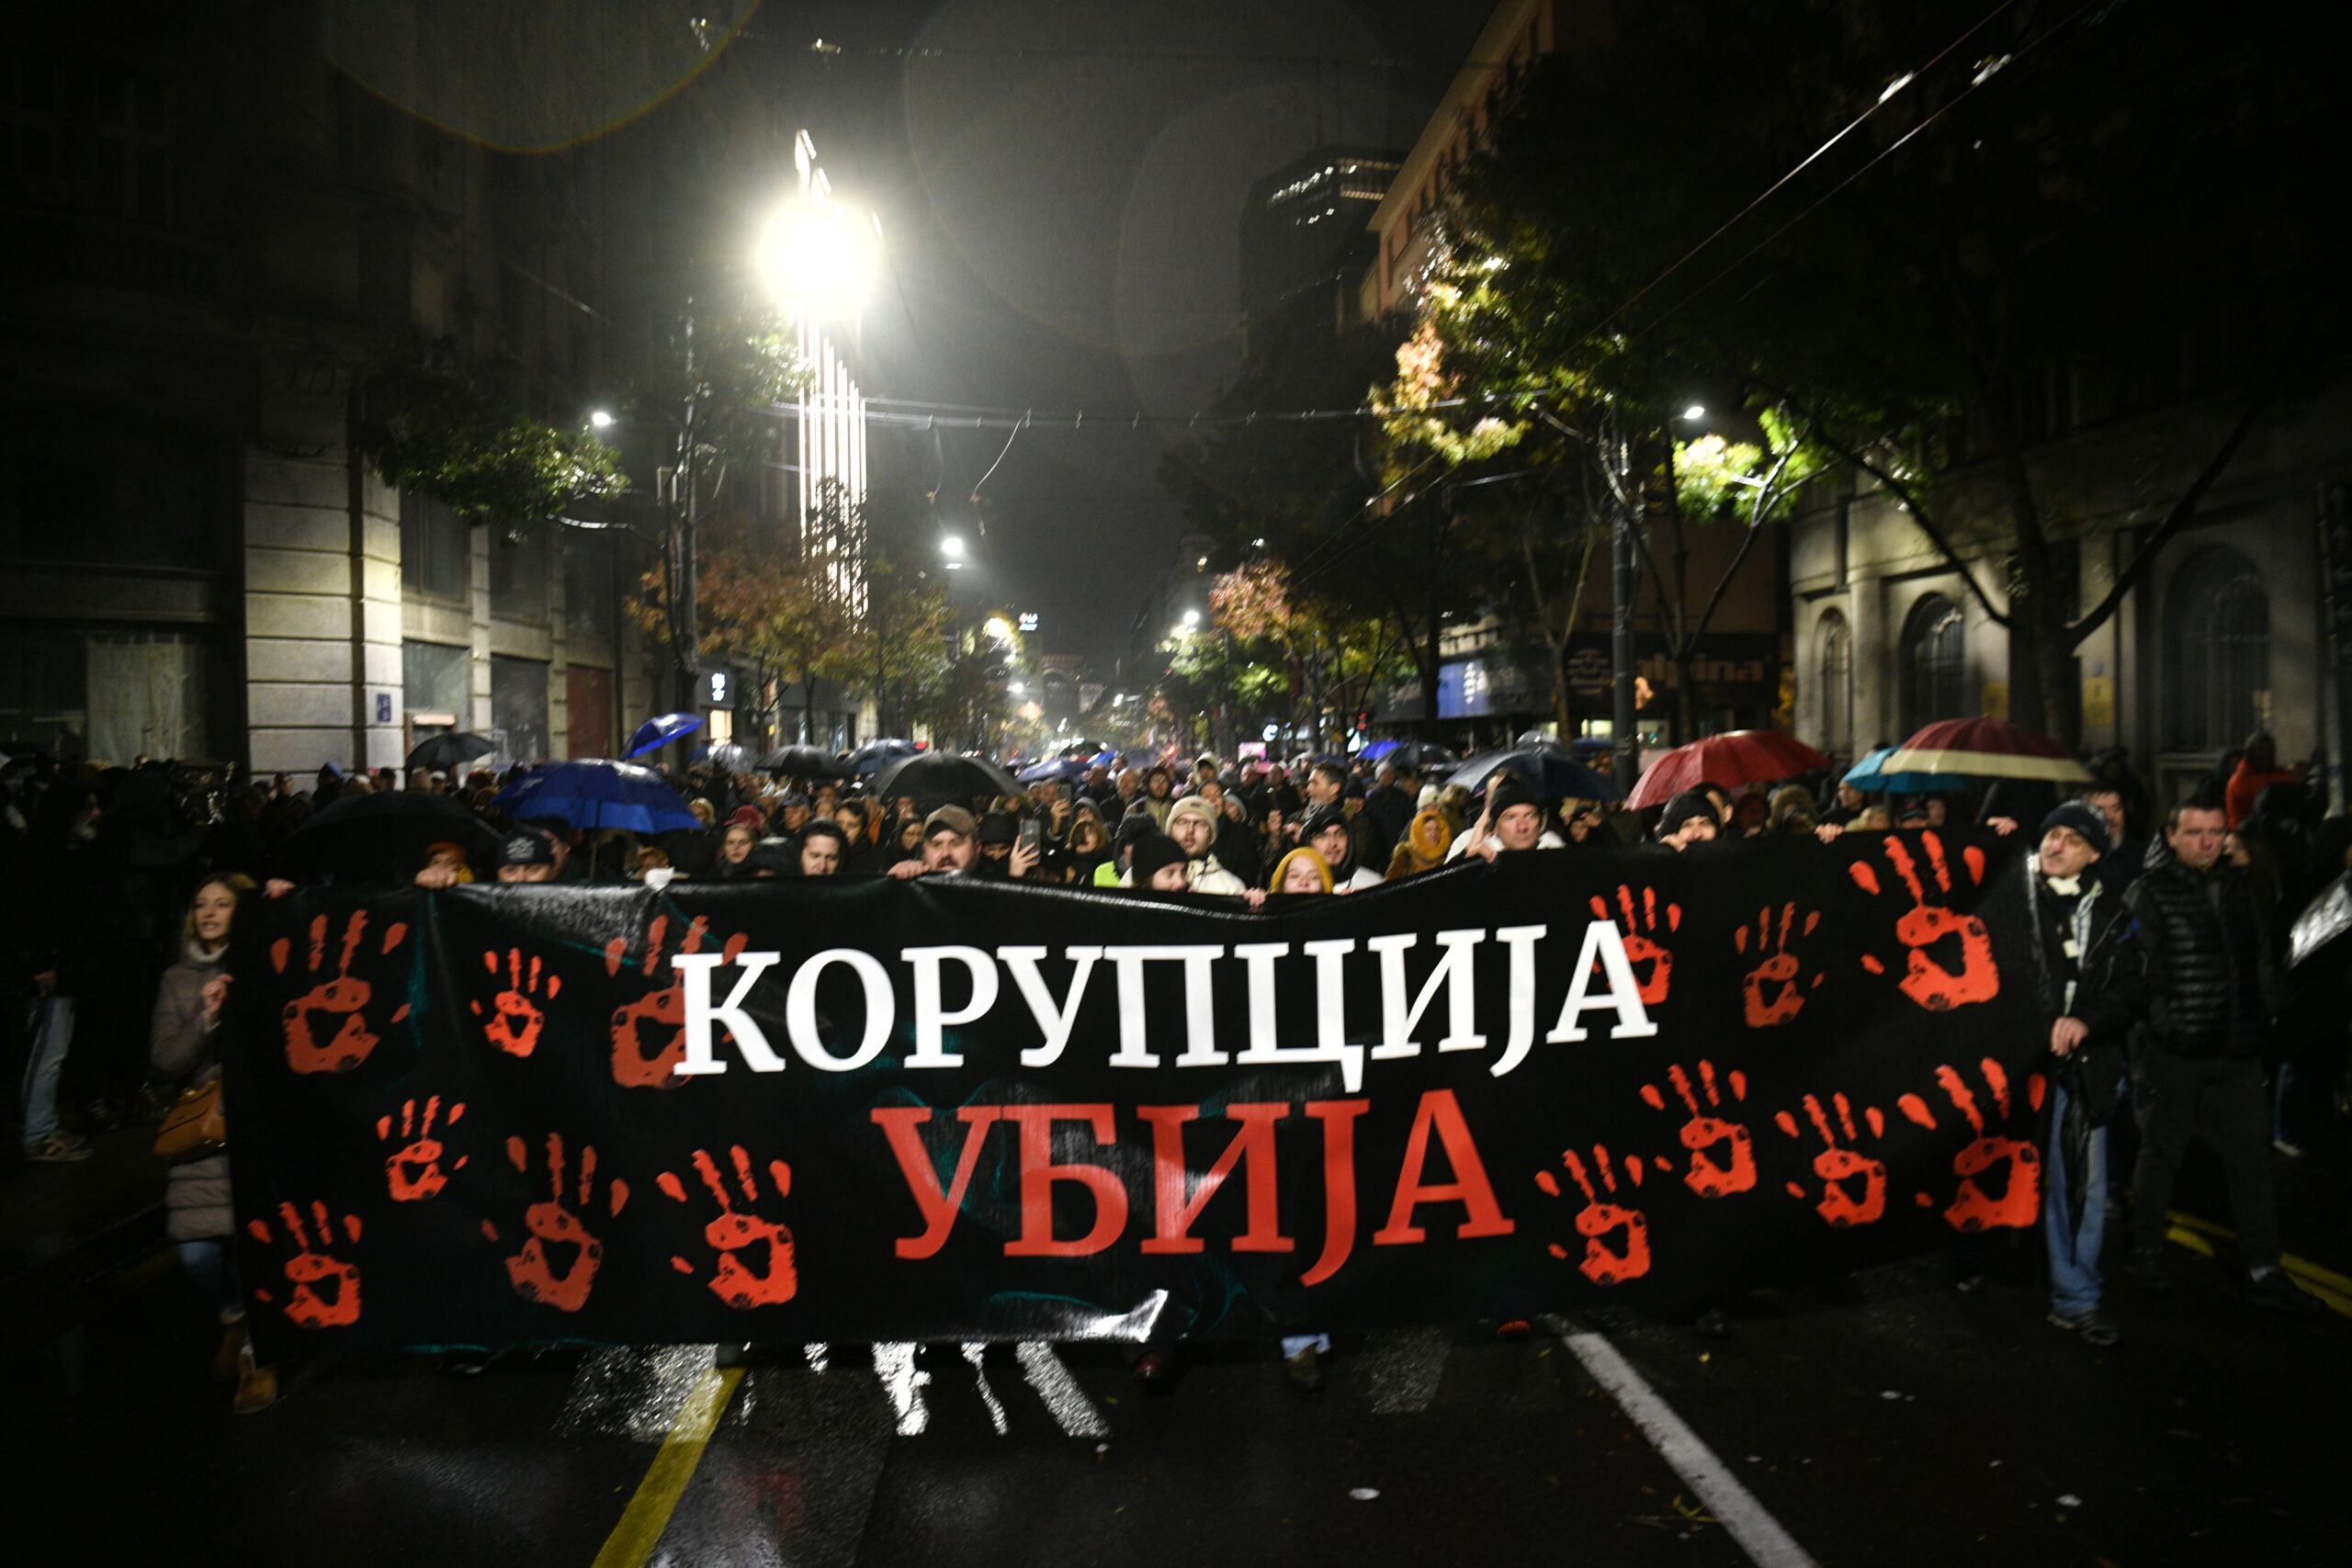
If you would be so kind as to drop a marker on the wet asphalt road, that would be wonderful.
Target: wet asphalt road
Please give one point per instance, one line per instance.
(1890, 1418)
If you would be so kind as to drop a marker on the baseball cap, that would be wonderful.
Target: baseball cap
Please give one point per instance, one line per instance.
(949, 819)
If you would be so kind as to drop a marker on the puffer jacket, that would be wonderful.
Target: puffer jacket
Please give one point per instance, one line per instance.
(2210, 948)
(196, 1193)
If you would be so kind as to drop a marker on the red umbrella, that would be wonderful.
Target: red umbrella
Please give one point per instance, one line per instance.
(1987, 748)
(1742, 756)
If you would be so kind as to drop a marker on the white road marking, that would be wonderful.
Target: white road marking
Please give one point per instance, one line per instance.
(903, 1381)
(1733, 1506)
(1059, 1391)
(973, 1351)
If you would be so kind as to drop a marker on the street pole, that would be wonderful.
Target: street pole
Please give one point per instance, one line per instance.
(1623, 586)
(689, 634)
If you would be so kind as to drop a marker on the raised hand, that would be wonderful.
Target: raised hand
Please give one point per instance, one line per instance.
(2016, 1203)
(412, 1172)
(1933, 984)
(1602, 1218)
(1722, 1159)
(1838, 1164)
(514, 1020)
(326, 1031)
(1769, 992)
(1644, 939)
(325, 1292)
(736, 1232)
(555, 1224)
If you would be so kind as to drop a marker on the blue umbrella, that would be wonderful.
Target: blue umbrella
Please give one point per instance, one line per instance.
(1377, 749)
(660, 730)
(877, 755)
(1060, 769)
(1106, 758)
(597, 794)
(1865, 775)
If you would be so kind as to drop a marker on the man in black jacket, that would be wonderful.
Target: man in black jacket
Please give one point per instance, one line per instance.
(2086, 983)
(2211, 953)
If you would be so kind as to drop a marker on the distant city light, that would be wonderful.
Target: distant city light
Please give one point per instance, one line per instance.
(1256, 543)
(1202, 564)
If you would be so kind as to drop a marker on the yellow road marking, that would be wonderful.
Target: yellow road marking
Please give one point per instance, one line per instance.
(2199, 1236)
(648, 1514)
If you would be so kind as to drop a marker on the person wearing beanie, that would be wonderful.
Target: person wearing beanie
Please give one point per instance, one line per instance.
(1133, 828)
(1512, 820)
(2087, 986)
(1324, 829)
(996, 836)
(1157, 864)
(1689, 818)
(1192, 823)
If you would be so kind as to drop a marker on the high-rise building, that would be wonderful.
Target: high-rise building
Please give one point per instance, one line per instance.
(1303, 238)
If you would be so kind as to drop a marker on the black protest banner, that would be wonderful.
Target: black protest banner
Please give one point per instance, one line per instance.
(854, 1109)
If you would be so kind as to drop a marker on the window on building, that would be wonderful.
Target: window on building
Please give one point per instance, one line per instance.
(435, 679)
(1834, 641)
(1934, 664)
(2217, 640)
(518, 574)
(588, 601)
(436, 548)
(518, 707)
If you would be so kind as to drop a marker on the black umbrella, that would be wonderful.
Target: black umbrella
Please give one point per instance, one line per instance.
(1421, 754)
(448, 754)
(1549, 768)
(802, 763)
(382, 838)
(935, 776)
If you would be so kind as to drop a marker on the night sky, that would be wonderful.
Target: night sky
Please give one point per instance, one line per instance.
(1061, 202)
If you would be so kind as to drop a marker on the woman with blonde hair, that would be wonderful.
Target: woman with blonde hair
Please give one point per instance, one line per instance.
(198, 1216)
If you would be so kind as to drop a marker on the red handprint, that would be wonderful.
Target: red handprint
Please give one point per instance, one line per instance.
(1600, 1217)
(414, 1170)
(326, 1289)
(733, 1233)
(554, 1224)
(1706, 1132)
(1642, 934)
(2019, 1202)
(1937, 987)
(1836, 1164)
(1776, 966)
(338, 998)
(649, 1034)
(514, 1021)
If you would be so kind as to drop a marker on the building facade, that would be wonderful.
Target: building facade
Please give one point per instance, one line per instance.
(2223, 633)
(208, 236)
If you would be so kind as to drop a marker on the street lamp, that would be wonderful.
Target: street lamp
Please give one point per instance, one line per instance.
(1696, 411)
(1192, 619)
(601, 418)
(814, 253)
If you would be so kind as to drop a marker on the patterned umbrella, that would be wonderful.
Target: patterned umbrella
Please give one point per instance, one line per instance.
(1987, 749)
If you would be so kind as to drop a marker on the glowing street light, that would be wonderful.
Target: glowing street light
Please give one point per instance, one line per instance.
(601, 418)
(1696, 411)
(997, 628)
(952, 548)
(1017, 689)
(1192, 619)
(816, 253)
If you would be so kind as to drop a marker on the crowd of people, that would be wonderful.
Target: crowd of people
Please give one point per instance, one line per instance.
(2160, 937)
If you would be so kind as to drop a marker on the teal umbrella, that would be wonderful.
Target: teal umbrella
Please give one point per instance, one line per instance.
(1865, 775)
